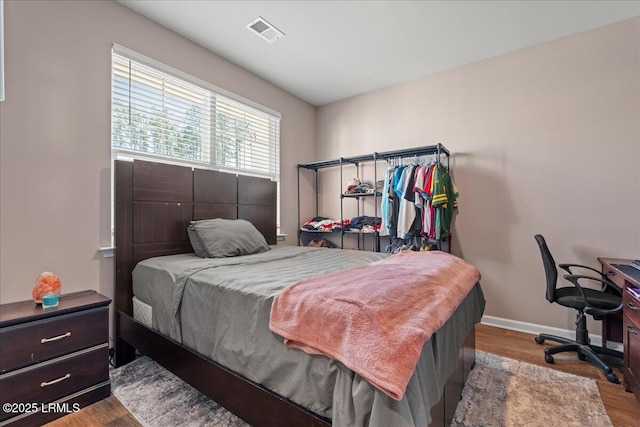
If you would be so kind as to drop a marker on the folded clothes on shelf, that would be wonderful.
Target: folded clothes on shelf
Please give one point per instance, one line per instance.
(322, 224)
(363, 223)
(359, 189)
(358, 223)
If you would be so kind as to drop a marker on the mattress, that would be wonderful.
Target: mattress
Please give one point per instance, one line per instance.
(220, 309)
(142, 312)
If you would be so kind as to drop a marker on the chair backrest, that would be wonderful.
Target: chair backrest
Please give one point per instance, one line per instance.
(550, 269)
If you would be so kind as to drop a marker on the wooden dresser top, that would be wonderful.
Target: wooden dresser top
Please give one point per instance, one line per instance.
(27, 311)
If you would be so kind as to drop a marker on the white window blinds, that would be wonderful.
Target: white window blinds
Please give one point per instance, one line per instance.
(161, 113)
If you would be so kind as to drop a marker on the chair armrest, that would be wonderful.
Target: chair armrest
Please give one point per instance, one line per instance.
(573, 278)
(567, 268)
(609, 282)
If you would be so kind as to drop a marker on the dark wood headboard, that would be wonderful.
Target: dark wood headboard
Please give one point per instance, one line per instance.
(154, 203)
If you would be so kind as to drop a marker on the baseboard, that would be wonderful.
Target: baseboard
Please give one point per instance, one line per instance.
(532, 328)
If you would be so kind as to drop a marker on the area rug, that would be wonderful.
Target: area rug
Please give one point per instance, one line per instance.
(504, 392)
(157, 398)
(500, 392)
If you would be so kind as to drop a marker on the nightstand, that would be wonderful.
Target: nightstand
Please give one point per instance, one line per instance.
(53, 361)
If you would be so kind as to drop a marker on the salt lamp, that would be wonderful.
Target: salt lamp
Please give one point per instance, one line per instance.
(46, 283)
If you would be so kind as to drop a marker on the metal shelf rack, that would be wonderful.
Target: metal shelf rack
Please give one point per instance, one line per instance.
(438, 150)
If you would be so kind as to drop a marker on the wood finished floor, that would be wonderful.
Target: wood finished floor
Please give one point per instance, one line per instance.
(622, 407)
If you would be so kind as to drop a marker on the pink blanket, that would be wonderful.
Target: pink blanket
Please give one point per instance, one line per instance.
(375, 318)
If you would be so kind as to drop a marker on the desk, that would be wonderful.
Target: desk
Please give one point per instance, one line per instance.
(627, 325)
(612, 325)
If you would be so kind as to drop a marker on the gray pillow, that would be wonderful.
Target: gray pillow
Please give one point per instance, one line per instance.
(196, 243)
(229, 237)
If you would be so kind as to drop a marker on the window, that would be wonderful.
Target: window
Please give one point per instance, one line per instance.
(164, 115)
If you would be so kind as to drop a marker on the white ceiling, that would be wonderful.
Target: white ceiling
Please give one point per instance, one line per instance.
(336, 49)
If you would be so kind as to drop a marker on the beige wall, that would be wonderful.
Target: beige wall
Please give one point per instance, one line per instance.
(55, 134)
(546, 140)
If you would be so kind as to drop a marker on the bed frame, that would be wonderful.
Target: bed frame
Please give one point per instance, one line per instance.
(154, 204)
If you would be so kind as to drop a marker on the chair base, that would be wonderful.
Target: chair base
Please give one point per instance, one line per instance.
(584, 351)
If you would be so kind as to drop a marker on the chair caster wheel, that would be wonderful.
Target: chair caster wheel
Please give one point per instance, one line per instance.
(613, 378)
(539, 340)
(582, 356)
(549, 359)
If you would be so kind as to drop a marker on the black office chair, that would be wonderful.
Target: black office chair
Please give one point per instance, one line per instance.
(597, 303)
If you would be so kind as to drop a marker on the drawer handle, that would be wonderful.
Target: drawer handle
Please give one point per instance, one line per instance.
(632, 330)
(611, 273)
(632, 307)
(59, 337)
(45, 383)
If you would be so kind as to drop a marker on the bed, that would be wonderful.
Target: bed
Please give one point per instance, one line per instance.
(154, 205)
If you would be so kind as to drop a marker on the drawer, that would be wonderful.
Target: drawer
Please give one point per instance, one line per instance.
(48, 381)
(631, 308)
(614, 276)
(33, 342)
(631, 355)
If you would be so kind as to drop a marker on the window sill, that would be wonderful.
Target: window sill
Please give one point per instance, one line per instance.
(281, 237)
(108, 251)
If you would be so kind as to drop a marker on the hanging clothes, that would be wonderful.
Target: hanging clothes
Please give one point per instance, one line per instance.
(406, 212)
(395, 200)
(417, 201)
(385, 207)
(444, 199)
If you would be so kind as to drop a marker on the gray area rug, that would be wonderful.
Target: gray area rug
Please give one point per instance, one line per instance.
(500, 392)
(504, 392)
(157, 398)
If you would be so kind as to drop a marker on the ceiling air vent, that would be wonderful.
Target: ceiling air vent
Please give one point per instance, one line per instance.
(265, 30)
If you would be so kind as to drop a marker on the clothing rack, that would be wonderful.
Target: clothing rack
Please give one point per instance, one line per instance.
(438, 150)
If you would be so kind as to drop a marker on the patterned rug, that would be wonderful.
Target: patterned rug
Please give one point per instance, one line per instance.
(157, 398)
(500, 392)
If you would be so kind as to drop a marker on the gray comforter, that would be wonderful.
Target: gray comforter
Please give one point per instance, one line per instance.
(220, 308)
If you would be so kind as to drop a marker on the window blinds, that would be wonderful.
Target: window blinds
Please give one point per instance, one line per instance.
(158, 112)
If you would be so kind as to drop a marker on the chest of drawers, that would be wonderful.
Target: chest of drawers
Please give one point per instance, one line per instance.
(627, 279)
(53, 361)
(631, 333)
